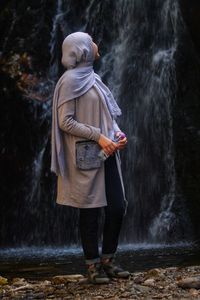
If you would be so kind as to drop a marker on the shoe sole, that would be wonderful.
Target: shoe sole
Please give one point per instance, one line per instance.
(119, 275)
(99, 281)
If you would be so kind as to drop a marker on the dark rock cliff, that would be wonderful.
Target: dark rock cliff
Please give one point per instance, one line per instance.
(25, 59)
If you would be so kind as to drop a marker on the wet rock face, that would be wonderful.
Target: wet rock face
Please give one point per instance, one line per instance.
(191, 14)
(26, 27)
(24, 61)
(186, 112)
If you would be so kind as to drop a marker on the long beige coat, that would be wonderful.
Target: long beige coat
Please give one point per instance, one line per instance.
(83, 118)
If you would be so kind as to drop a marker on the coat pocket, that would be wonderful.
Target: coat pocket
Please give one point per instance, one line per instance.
(87, 155)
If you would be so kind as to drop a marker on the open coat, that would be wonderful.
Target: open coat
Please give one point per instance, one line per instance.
(83, 108)
(81, 119)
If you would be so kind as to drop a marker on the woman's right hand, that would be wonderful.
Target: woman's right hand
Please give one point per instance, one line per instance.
(108, 146)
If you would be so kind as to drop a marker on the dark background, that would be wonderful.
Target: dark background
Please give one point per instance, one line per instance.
(25, 30)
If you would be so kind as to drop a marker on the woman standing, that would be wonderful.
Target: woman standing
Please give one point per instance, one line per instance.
(83, 123)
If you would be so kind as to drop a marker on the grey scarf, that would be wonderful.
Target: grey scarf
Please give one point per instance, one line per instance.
(78, 58)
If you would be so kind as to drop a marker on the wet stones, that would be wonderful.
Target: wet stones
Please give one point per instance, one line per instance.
(149, 282)
(66, 278)
(170, 283)
(190, 282)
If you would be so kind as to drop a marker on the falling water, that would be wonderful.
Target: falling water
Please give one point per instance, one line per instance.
(57, 23)
(138, 43)
(144, 81)
(138, 64)
(37, 173)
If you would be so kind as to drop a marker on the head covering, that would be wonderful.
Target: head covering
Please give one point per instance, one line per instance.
(77, 58)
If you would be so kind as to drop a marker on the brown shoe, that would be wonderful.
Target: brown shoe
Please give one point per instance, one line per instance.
(96, 274)
(112, 270)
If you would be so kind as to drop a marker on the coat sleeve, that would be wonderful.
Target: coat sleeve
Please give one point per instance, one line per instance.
(115, 126)
(68, 124)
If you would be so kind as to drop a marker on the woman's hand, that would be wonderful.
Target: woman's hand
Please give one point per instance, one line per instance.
(107, 145)
(122, 142)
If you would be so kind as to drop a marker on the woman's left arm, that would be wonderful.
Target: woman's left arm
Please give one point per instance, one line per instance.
(116, 127)
(68, 124)
(117, 131)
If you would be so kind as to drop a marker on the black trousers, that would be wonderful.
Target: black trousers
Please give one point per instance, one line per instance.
(114, 211)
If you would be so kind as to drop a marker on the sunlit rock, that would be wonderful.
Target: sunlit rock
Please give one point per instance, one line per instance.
(3, 280)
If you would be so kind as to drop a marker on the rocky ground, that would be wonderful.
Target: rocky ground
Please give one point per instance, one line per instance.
(169, 283)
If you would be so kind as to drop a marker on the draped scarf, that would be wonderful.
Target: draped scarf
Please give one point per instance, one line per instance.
(77, 58)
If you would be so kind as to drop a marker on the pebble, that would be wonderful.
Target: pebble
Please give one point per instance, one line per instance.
(194, 293)
(66, 278)
(149, 282)
(170, 283)
(153, 273)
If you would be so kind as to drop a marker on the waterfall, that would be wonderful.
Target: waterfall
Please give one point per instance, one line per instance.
(138, 43)
(144, 80)
(138, 64)
(54, 46)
